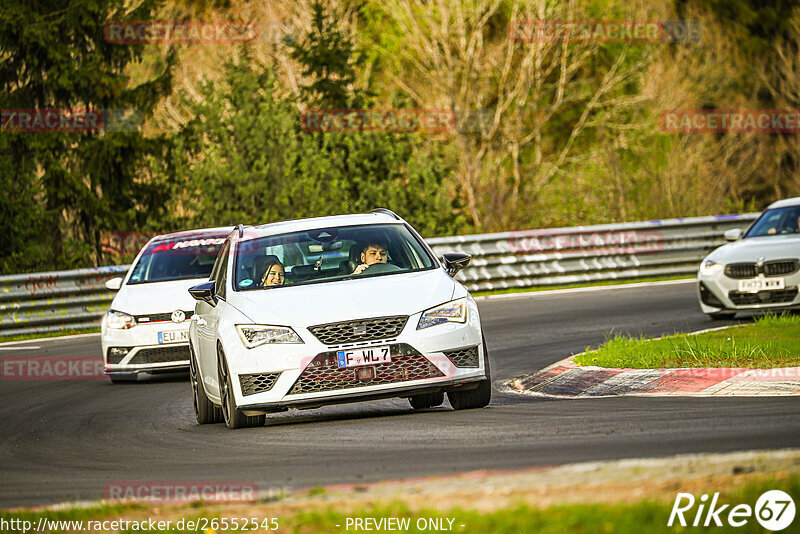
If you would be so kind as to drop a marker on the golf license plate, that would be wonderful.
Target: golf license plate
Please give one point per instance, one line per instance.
(176, 336)
(761, 284)
(359, 357)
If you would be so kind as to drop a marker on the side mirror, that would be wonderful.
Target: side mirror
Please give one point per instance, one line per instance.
(733, 234)
(114, 283)
(455, 261)
(205, 292)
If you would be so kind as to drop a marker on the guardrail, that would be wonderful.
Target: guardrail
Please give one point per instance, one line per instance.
(62, 300)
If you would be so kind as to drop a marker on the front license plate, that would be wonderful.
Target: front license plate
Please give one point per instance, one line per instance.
(359, 357)
(761, 284)
(175, 336)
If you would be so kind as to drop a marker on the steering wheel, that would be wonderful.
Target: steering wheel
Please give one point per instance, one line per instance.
(377, 268)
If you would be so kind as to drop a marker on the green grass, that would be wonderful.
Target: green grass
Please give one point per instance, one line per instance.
(24, 337)
(579, 284)
(772, 341)
(634, 517)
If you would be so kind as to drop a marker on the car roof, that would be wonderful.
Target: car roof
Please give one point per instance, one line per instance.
(221, 231)
(300, 225)
(785, 203)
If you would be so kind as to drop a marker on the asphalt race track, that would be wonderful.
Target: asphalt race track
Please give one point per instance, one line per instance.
(65, 440)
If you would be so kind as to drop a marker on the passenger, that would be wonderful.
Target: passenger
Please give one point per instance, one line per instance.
(371, 254)
(274, 273)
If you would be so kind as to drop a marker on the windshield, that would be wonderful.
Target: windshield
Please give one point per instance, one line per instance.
(328, 254)
(177, 260)
(777, 221)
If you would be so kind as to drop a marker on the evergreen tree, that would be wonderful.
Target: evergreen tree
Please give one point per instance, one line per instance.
(73, 185)
(326, 54)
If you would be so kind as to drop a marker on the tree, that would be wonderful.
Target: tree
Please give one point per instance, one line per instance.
(536, 100)
(55, 56)
(246, 159)
(326, 55)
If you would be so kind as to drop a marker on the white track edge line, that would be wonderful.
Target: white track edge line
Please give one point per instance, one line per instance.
(545, 292)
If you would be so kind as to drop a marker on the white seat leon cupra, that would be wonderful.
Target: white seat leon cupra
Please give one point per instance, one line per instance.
(330, 310)
(146, 329)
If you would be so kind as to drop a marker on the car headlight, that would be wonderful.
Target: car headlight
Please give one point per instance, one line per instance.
(254, 335)
(708, 268)
(119, 320)
(454, 311)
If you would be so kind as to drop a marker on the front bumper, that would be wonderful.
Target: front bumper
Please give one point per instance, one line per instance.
(144, 352)
(434, 359)
(400, 390)
(718, 293)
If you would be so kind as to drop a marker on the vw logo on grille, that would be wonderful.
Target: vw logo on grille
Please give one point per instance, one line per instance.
(360, 330)
(178, 316)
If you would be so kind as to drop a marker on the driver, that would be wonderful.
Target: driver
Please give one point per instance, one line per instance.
(371, 254)
(788, 229)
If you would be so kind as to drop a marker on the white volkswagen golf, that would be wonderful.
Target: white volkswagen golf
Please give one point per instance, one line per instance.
(312, 312)
(147, 328)
(759, 270)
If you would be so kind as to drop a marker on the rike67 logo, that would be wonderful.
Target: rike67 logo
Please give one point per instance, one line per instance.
(774, 510)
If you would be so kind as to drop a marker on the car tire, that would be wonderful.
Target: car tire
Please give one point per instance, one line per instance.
(231, 414)
(480, 397)
(722, 316)
(122, 378)
(426, 400)
(205, 411)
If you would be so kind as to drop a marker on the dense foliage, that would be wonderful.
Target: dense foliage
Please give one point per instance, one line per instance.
(546, 133)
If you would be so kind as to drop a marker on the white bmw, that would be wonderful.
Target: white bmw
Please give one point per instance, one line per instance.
(759, 270)
(147, 327)
(312, 312)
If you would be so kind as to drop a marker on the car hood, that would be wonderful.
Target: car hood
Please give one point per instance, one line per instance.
(396, 294)
(773, 247)
(156, 297)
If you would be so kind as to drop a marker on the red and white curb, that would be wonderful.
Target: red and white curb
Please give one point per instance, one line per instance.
(568, 380)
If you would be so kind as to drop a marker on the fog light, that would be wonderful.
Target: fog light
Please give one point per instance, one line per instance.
(116, 354)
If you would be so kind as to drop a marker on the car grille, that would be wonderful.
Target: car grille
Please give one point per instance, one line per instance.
(257, 383)
(324, 374)
(741, 270)
(763, 297)
(156, 317)
(779, 268)
(771, 268)
(360, 330)
(467, 357)
(161, 355)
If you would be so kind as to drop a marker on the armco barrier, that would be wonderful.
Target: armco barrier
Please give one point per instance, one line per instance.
(48, 302)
